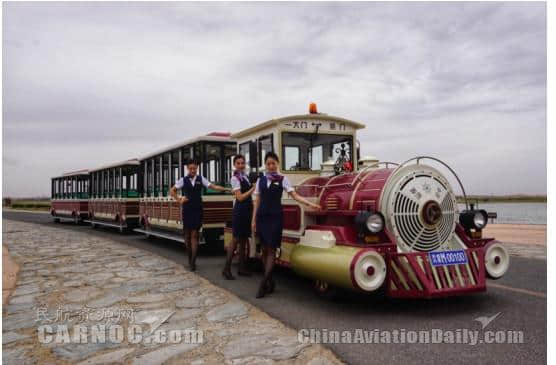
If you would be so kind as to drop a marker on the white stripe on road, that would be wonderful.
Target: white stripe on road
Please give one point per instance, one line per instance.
(518, 290)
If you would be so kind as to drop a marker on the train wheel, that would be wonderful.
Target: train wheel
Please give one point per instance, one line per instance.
(497, 260)
(324, 289)
(56, 220)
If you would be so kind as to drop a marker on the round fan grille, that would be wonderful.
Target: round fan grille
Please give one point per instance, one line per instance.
(408, 212)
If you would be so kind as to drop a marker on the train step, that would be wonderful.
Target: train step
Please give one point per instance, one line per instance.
(102, 223)
(168, 236)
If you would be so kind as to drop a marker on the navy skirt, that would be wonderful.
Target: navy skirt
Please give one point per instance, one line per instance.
(192, 219)
(241, 219)
(269, 229)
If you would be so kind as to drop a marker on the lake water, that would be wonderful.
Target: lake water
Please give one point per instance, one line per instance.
(518, 213)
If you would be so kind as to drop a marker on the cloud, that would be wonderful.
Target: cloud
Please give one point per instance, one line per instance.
(90, 83)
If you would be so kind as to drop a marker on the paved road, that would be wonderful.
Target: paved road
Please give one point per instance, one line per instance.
(519, 297)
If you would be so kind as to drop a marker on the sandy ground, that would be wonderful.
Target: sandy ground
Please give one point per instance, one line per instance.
(532, 234)
(9, 275)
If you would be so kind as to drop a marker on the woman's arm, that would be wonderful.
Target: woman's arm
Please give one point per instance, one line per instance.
(218, 187)
(174, 195)
(241, 197)
(302, 200)
(254, 217)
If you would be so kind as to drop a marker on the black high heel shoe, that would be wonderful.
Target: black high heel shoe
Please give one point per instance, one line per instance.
(262, 290)
(228, 275)
(270, 286)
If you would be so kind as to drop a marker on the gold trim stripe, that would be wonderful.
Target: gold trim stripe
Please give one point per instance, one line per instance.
(399, 275)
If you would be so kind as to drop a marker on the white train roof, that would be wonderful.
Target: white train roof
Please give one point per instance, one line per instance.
(211, 137)
(130, 162)
(72, 173)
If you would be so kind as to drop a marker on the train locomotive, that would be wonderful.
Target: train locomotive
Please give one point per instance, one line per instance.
(387, 226)
(396, 228)
(384, 226)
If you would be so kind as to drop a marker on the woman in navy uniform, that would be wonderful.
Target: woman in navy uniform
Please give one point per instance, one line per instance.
(192, 207)
(267, 216)
(241, 219)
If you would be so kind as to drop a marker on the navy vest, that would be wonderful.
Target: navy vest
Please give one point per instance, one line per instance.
(193, 193)
(244, 187)
(270, 197)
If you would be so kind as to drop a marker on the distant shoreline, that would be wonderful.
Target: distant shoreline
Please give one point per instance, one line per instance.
(504, 198)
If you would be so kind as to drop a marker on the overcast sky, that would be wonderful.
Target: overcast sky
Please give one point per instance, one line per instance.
(87, 84)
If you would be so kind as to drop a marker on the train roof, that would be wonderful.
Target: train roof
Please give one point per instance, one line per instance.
(310, 116)
(211, 137)
(130, 162)
(72, 173)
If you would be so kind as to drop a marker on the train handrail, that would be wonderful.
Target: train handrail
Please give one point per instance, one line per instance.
(357, 179)
(418, 158)
(386, 163)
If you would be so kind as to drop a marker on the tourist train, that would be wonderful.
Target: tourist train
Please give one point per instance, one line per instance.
(384, 226)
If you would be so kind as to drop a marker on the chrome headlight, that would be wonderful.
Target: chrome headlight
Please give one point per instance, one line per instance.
(375, 222)
(480, 219)
(473, 219)
(366, 222)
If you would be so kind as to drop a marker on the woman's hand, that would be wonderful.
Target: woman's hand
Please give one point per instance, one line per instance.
(315, 206)
(183, 200)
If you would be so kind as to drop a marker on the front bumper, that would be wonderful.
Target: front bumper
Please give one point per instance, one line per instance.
(411, 275)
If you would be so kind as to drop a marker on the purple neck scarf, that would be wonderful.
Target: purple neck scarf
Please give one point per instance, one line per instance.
(240, 175)
(274, 176)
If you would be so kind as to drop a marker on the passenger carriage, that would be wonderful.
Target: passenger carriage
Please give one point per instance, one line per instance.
(383, 225)
(115, 191)
(160, 215)
(70, 194)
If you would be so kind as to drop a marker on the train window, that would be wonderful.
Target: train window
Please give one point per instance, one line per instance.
(314, 149)
(175, 167)
(186, 155)
(316, 157)
(165, 173)
(291, 157)
(84, 188)
(338, 147)
(265, 145)
(212, 174)
(148, 179)
(229, 153)
(156, 181)
(212, 166)
(244, 150)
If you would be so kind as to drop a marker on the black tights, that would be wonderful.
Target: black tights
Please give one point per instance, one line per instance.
(242, 252)
(268, 256)
(191, 239)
